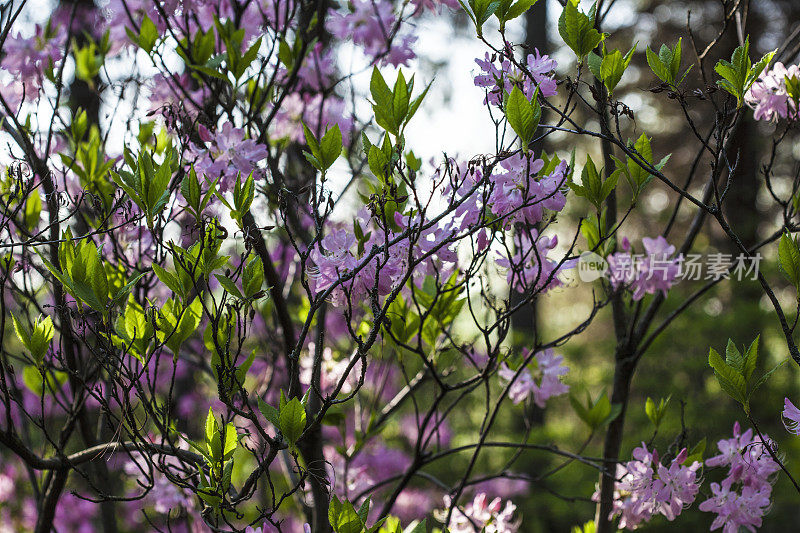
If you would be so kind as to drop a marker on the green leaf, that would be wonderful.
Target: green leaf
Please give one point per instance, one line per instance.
(229, 285)
(731, 381)
(269, 412)
(613, 67)
(170, 280)
(520, 7)
(595, 63)
(661, 71)
(231, 441)
(400, 98)
(330, 147)
(33, 209)
(734, 358)
(292, 417)
(523, 116)
(789, 259)
(656, 412)
(253, 277)
(37, 339)
(577, 30)
(738, 74)
(148, 34)
(751, 359)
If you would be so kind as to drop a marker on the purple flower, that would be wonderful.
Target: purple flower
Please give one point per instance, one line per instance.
(27, 57)
(791, 417)
(656, 271)
(646, 487)
(743, 497)
(528, 265)
(735, 509)
(768, 95)
(228, 154)
(482, 515)
(370, 26)
(747, 457)
(500, 80)
(545, 382)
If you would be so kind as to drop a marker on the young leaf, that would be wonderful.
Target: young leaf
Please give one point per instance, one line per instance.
(292, 417)
(729, 379)
(577, 30)
(789, 259)
(523, 116)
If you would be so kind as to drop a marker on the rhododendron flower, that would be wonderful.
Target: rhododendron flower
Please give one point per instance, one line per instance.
(482, 515)
(734, 509)
(768, 95)
(743, 497)
(27, 57)
(528, 265)
(334, 258)
(500, 80)
(791, 417)
(544, 383)
(369, 25)
(748, 459)
(228, 154)
(646, 487)
(656, 271)
(297, 109)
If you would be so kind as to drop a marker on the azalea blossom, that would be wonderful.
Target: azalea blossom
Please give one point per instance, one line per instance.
(487, 516)
(768, 95)
(228, 154)
(543, 384)
(647, 488)
(499, 80)
(743, 497)
(657, 270)
(791, 417)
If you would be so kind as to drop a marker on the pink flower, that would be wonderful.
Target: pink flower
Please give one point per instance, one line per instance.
(768, 95)
(528, 265)
(747, 457)
(791, 417)
(498, 81)
(656, 271)
(743, 497)
(734, 509)
(228, 154)
(482, 515)
(544, 384)
(370, 26)
(27, 57)
(646, 487)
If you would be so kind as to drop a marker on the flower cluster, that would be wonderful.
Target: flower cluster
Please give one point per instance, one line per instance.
(658, 271)
(519, 196)
(370, 25)
(482, 515)
(743, 497)
(544, 383)
(342, 257)
(645, 487)
(26, 59)
(227, 154)
(769, 97)
(501, 80)
(528, 266)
